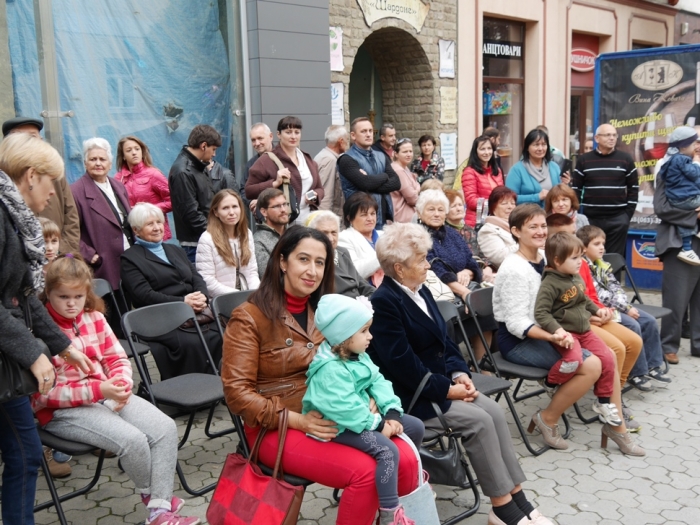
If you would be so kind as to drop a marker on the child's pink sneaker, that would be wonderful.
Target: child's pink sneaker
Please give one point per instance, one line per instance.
(170, 518)
(175, 503)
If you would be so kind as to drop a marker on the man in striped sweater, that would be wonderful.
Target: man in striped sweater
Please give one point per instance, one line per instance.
(606, 184)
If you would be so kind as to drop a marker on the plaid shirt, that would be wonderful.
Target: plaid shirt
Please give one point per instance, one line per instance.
(73, 386)
(608, 288)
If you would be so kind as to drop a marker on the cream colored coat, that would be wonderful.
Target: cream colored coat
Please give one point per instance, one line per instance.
(495, 243)
(361, 252)
(219, 276)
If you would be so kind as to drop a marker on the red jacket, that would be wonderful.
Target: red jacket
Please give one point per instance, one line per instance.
(147, 184)
(585, 273)
(476, 185)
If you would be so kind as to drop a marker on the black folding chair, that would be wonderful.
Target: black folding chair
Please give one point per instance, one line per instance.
(223, 305)
(480, 304)
(71, 448)
(189, 392)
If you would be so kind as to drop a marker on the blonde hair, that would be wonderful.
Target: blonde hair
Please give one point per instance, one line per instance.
(219, 235)
(431, 184)
(71, 269)
(21, 151)
(49, 228)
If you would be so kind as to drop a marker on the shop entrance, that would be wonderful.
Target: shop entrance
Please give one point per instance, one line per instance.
(392, 81)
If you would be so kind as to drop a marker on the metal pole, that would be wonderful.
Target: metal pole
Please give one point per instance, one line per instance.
(48, 74)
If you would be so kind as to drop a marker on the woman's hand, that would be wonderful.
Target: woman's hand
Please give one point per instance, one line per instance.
(314, 424)
(633, 313)
(465, 380)
(543, 194)
(283, 175)
(44, 372)
(464, 277)
(116, 389)
(488, 275)
(75, 358)
(566, 177)
(197, 300)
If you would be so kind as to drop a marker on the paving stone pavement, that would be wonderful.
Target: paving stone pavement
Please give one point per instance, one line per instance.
(581, 486)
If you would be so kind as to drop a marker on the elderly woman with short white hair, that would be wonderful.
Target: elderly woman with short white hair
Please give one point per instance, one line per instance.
(103, 206)
(155, 272)
(409, 340)
(348, 281)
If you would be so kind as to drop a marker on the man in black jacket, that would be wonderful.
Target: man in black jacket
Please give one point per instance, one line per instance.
(191, 189)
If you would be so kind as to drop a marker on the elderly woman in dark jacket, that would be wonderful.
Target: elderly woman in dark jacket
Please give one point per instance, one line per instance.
(410, 339)
(154, 272)
(29, 168)
(348, 281)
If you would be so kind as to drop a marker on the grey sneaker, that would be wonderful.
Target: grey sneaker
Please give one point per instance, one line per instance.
(641, 383)
(631, 424)
(626, 412)
(607, 413)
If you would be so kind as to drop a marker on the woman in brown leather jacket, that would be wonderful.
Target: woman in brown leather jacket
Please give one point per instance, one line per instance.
(268, 346)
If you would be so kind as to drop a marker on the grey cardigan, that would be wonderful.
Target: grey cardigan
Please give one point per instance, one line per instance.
(667, 236)
(16, 341)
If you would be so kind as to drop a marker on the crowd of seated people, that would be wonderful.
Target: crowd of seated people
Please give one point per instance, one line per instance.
(397, 224)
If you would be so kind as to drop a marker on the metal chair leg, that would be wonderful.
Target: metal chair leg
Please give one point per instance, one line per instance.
(471, 510)
(207, 427)
(187, 488)
(580, 415)
(521, 430)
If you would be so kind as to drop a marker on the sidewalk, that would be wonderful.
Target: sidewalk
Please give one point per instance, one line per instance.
(584, 485)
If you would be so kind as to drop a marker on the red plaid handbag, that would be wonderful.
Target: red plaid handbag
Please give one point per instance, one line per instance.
(246, 496)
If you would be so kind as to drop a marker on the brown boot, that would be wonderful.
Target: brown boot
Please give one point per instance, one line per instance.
(57, 470)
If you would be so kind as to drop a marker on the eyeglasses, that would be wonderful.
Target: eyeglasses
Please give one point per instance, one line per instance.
(608, 135)
(278, 206)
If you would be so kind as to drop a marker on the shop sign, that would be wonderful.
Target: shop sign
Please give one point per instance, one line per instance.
(583, 60)
(657, 74)
(503, 49)
(412, 11)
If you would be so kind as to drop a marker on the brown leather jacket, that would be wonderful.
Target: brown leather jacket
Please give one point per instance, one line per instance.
(265, 364)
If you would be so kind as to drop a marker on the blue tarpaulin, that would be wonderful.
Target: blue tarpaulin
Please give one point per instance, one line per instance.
(153, 69)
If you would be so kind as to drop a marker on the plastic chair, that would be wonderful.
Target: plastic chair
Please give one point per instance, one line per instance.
(72, 448)
(189, 392)
(223, 305)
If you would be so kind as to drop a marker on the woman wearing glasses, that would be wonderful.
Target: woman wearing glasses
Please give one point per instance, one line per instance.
(404, 200)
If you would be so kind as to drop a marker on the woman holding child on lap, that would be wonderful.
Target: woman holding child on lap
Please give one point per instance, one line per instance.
(521, 340)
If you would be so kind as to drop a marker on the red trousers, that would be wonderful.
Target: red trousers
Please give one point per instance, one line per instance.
(572, 359)
(338, 466)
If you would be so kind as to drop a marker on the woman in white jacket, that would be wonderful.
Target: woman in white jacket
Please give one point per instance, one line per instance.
(225, 252)
(360, 236)
(494, 238)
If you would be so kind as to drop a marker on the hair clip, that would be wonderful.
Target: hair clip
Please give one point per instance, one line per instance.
(70, 256)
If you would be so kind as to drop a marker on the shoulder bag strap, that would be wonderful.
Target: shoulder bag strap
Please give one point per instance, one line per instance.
(278, 162)
(419, 391)
(277, 473)
(253, 458)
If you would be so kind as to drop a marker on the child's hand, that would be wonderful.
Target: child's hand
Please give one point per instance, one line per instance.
(605, 314)
(387, 430)
(633, 313)
(563, 338)
(115, 388)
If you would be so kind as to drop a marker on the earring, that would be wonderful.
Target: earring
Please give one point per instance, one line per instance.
(31, 187)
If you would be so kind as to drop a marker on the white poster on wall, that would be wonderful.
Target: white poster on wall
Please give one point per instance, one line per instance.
(447, 58)
(336, 35)
(448, 150)
(337, 103)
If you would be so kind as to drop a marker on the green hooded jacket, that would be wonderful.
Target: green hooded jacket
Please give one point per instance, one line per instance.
(340, 390)
(562, 303)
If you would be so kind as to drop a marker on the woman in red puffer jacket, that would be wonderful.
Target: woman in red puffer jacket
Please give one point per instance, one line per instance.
(480, 177)
(143, 181)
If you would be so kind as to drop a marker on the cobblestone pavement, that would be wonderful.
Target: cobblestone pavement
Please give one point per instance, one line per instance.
(582, 486)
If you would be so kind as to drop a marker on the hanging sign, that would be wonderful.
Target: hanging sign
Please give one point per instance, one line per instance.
(336, 34)
(582, 60)
(412, 11)
(502, 49)
(447, 58)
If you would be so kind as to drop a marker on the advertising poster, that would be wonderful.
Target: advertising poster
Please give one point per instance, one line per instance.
(336, 35)
(645, 95)
(337, 103)
(448, 149)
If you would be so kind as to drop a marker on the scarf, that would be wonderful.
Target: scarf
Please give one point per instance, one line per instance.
(29, 230)
(542, 177)
(497, 221)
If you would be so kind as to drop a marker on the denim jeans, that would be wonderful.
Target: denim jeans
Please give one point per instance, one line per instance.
(191, 252)
(651, 355)
(21, 454)
(537, 353)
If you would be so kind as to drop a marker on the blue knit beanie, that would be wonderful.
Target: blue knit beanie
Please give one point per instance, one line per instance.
(339, 317)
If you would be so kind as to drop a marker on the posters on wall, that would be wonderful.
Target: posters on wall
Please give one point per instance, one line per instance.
(448, 150)
(447, 58)
(337, 103)
(412, 11)
(645, 95)
(448, 105)
(336, 35)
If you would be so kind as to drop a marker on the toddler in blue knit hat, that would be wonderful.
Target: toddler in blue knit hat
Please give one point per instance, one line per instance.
(342, 379)
(682, 178)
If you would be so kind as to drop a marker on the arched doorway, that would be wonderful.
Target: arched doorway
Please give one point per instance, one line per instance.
(403, 83)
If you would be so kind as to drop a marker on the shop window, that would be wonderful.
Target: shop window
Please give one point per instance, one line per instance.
(503, 59)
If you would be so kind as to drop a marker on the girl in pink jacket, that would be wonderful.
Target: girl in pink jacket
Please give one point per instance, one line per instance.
(143, 181)
(98, 408)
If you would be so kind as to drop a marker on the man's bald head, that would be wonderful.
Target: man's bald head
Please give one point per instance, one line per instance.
(606, 137)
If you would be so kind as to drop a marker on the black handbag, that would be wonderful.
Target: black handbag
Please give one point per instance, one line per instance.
(15, 380)
(444, 461)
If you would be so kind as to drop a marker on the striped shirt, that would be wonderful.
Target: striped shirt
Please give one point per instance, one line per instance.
(606, 185)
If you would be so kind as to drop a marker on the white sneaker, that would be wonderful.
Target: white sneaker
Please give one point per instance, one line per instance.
(690, 257)
(607, 412)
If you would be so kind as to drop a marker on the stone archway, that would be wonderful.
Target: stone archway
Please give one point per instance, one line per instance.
(407, 90)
